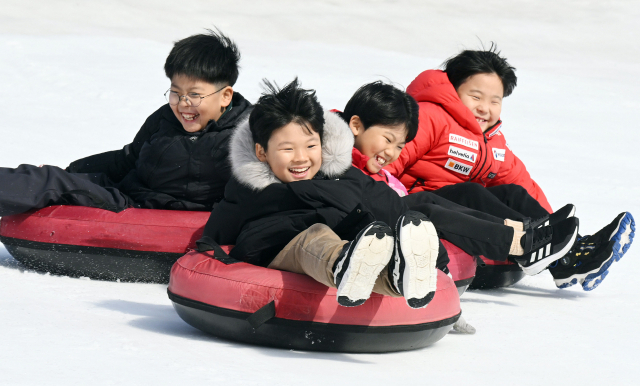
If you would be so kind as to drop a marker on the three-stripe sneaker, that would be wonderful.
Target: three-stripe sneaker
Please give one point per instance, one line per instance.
(413, 269)
(590, 258)
(565, 212)
(361, 261)
(544, 245)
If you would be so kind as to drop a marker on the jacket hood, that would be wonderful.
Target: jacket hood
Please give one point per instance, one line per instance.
(337, 143)
(434, 86)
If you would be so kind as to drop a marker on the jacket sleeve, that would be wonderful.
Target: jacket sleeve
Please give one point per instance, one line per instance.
(116, 164)
(416, 149)
(514, 172)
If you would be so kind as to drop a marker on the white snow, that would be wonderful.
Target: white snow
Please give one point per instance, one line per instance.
(80, 78)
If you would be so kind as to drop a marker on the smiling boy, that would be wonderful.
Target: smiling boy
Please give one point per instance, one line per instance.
(178, 159)
(460, 140)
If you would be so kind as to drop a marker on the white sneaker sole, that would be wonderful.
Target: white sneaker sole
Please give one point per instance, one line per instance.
(419, 245)
(370, 256)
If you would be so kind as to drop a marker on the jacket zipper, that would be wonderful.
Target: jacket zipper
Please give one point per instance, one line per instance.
(485, 158)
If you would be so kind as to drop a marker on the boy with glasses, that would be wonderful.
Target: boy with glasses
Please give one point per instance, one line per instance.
(178, 159)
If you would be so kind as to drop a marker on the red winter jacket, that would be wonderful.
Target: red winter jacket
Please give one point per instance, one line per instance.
(451, 148)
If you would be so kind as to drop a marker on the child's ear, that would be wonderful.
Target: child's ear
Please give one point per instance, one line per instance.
(356, 126)
(260, 153)
(227, 95)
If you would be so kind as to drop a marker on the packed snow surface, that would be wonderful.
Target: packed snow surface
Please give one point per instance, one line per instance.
(81, 77)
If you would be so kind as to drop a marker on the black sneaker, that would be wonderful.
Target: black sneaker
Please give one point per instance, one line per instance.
(589, 260)
(361, 261)
(563, 213)
(547, 244)
(413, 269)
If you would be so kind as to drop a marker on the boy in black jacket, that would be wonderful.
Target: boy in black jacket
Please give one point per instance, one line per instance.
(294, 200)
(178, 159)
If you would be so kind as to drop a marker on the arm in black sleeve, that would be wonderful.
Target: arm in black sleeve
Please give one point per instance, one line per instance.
(116, 164)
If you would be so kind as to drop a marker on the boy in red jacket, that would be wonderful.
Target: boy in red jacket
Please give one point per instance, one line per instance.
(459, 140)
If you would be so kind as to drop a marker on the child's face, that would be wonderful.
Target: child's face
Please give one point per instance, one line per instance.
(382, 144)
(293, 154)
(482, 94)
(194, 119)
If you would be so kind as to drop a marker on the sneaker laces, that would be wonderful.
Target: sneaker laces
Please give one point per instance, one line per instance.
(582, 247)
(542, 236)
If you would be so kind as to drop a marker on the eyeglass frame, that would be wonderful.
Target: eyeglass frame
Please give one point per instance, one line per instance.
(186, 98)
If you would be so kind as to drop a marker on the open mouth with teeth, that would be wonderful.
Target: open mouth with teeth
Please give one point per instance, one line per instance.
(189, 117)
(480, 120)
(381, 161)
(299, 172)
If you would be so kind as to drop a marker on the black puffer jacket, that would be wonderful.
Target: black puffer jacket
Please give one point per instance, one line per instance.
(166, 167)
(260, 215)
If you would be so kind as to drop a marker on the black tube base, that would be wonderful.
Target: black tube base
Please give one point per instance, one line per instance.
(309, 336)
(96, 263)
(496, 276)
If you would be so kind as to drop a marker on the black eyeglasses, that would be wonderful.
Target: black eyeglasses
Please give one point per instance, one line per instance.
(192, 99)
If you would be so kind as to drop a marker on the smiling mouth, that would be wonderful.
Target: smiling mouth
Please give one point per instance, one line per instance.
(299, 172)
(480, 120)
(189, 117)
(381, 161)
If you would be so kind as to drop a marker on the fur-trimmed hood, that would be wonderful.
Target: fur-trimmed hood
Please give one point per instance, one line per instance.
(337, 143)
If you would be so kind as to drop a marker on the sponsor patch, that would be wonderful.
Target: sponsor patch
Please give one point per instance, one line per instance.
(462, 154)
(498, 154)
(458, 167)
(491, 175)
(460, 140)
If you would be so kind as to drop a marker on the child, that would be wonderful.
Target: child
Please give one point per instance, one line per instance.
(459, 140)
(178, 159)
(295, 203)
(383, 119)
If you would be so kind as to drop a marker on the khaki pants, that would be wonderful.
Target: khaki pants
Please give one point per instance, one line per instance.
(314, 251)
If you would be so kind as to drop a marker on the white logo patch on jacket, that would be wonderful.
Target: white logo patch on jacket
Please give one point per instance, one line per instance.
(460, 140)
(458, 167)
(462, 154)
(498, 154)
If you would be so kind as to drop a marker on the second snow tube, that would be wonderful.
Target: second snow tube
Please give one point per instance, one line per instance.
(138, 245)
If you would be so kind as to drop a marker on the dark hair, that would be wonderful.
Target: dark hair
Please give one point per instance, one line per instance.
(211, 57)
(277, 108)
(469, 63)
(379, 103)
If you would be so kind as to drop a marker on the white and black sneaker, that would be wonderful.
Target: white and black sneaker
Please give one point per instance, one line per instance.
(361, 261)
(413, 270)
(561, 214)
(543, 246)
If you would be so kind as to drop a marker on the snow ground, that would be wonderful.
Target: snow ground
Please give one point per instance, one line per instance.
(80, 78)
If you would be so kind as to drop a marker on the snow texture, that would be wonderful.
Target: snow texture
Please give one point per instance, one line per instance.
(81, 77)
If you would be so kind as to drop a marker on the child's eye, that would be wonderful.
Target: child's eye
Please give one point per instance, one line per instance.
(475, 97)
(194, 95)
(388, 140)
(312, 146)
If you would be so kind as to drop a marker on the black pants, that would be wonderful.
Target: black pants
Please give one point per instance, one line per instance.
(505, 201)
(474, 232)
(31, 187)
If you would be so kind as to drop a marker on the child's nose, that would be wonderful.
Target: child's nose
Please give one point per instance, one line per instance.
(299, 155)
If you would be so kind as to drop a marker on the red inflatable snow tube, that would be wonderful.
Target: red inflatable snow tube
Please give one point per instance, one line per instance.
(141, 245)
(134, 245)
(247, 303)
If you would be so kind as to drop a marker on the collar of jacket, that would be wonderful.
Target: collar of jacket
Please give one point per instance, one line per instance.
(494, 130)
(337, 144)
